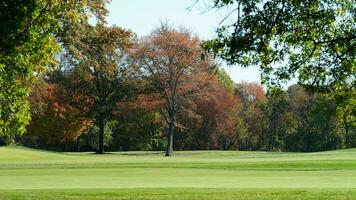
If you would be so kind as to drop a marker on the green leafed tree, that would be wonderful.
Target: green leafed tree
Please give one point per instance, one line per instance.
(313, 40)
(30, 32)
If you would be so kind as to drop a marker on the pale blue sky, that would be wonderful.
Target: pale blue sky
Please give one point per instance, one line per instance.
(142, 16)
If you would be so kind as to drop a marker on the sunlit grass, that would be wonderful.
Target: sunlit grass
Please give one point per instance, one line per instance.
(34, 174)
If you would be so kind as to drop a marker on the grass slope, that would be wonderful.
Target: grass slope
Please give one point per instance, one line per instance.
(34, 174)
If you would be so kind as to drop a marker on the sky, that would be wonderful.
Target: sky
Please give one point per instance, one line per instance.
(142, 16)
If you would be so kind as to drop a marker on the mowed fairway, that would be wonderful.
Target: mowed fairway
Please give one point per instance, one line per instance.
(34, 174)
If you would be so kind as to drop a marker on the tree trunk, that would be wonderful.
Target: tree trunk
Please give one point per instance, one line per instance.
(306, 143)
(347, 134)
(101, 137)
(169, 151)
(78, 143)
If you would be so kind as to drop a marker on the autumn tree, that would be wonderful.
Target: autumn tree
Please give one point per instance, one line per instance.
(54, 122)
(214, 123)
(31, 32)
(95, 72)
(171, 63)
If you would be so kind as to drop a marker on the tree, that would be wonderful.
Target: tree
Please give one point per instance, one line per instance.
(30, 33)
(316, 124)
(323, 125)
(141, 127)
(252, 118)
(95, 72)
(278, 118)
(214, 124)
(89, 140)
(171, 63)
(314, 40)
(346, 113)
(225, 80)
(54, 122)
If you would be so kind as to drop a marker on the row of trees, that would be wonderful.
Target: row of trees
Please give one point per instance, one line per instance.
(105, 71)
(242, 117)
(115, 92)
(110, 83)
(293, 120)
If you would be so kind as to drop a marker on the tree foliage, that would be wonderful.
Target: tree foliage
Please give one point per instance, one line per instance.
(115, 92)
(213, 123)
(171, 63)
(30, 33)
(313, 40)
(95, 73)
(251, 117)
(53, 120)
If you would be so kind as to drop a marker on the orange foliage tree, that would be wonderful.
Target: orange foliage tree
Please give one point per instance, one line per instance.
(53, 120)
(171, 63)
(214, 123)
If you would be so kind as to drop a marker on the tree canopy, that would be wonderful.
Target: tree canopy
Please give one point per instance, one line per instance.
(95, 72)
(30, 34)
(171, 63)
(91, 86)
(313, 40)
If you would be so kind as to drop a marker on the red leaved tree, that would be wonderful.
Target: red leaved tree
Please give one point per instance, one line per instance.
(171, 63)
(53, 120)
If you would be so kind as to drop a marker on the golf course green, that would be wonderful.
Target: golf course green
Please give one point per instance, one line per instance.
(35, 174)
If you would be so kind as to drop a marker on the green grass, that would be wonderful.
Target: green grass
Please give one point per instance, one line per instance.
(34, 174)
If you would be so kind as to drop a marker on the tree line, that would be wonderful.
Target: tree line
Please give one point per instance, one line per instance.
(72, 85)
(113, 92)
(226, 116)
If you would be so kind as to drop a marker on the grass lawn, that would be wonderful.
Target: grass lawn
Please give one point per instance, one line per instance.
(34, 174)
